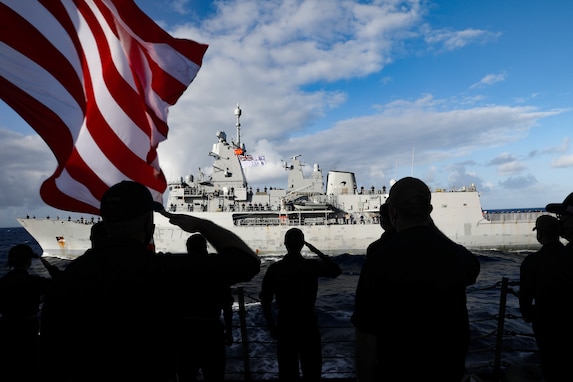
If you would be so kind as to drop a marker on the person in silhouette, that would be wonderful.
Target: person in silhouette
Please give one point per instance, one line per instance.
(386, 224)
(98, 234)
(106, 312)
(21, 294)
(366, 353)
(111, 312)
(200, 285)
(532, 272)
(410, 309)
(553, 308)
(201, 335)
(293, 282)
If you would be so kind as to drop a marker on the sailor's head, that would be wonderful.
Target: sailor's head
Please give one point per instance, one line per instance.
(196, 244)
(20, 256)
(98, 234)
(294, 240)
(385, 221)
(564, 212)
(547, 228)
(127, 206)
(411, 197)
(546, 223)
(564, 209)
(125, 200)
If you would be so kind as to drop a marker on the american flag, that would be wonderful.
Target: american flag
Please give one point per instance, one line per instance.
(95, 79)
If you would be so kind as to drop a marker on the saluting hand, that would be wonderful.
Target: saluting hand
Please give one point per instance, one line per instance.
(311, 247)
(315, 250)
(186, 222)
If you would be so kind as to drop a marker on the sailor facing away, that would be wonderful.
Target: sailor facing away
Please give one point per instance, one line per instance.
(200, 336)
(410, 310)
(111, 309)
(553, 311)
(293, 282)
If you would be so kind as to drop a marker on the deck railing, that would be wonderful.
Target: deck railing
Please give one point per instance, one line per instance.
(494, 348)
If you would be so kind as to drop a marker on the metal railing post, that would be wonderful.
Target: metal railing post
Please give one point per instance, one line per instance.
(500, 329)
(244, 336)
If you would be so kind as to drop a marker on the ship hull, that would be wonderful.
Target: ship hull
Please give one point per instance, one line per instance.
(458, 215)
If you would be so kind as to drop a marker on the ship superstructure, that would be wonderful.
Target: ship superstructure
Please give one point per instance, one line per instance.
(335, 215)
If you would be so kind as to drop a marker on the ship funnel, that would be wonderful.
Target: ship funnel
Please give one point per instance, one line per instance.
(340, 182)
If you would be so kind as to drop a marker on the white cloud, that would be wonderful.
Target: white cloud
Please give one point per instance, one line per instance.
(448, 39)
(563, 161)
(180, 6)
(26, 162)
(284, 62)
(511, 168)
(519, 182)
(502, 158)
(489, 79)
(562, 148)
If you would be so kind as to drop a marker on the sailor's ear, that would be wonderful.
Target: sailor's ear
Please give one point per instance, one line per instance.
(392, 215)
(430, 209)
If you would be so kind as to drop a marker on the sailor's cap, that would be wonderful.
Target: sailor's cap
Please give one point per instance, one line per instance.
(565, 208)
(547, 223)
(20, 254)
(126, 200)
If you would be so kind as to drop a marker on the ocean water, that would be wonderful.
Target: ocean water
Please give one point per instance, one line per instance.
(334, 308)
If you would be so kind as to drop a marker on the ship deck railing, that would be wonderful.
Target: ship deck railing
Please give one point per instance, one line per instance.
(294, 220)
(242, 366)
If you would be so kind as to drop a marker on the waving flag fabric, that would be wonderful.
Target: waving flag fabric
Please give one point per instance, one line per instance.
(95, 79)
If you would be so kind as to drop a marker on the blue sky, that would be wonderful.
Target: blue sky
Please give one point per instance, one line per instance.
(452, 92)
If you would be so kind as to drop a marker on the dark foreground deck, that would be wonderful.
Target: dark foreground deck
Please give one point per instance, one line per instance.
(495, 367)
(514, 373)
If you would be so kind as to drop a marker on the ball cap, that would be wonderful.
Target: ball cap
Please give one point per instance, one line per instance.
(565, 208)
(125, 200)
(408, 188)
(22, 250)
(546, 223)
(20, 254)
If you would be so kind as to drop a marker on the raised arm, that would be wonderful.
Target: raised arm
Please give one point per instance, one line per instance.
(238, 257)
(52, 269)
(331, 268)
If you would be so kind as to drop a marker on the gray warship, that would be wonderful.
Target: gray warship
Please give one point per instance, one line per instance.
(335, 215)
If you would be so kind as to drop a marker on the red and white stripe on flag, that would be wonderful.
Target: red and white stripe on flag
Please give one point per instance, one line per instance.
(95, 79)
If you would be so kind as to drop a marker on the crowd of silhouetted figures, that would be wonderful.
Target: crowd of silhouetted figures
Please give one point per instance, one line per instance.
(123, 312)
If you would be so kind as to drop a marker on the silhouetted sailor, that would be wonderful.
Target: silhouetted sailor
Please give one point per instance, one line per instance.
(98, 234)
(20, 296)
(533, 271)
(106, 317)
(110, 313)
(196, 283)
(553, 310)
(386, 224)
(410, 307)
(201, 336)
(293, 282)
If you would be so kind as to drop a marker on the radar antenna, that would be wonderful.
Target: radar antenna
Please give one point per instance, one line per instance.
(286, 166)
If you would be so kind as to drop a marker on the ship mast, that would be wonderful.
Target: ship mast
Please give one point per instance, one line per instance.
(238, 113)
